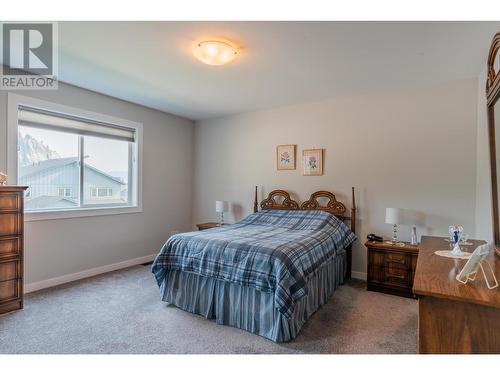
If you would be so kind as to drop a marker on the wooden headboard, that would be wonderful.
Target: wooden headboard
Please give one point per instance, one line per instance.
(270, 203)
(280, 200)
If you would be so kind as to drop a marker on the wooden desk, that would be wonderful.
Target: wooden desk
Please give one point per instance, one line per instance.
(453, 317)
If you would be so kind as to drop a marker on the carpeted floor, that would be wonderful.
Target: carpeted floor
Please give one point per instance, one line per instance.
(121, 312)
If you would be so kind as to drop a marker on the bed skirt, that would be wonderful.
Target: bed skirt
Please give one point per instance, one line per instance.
(250, 309)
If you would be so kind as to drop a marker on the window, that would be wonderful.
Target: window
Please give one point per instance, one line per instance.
(72, 162)
(48, 164)
(64, 192)
(101, 192)
(113, 157)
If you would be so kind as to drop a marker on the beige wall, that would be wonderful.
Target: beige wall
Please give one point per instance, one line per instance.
(412, 148)
(56, 248)
(397, 148)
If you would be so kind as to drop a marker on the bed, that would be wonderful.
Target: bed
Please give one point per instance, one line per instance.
(268, 273)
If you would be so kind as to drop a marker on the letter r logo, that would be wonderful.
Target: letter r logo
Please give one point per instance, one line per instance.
(27, 48)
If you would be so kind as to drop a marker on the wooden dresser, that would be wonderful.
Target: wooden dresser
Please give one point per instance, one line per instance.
(11, 247)
(453, 317)
(391, 267)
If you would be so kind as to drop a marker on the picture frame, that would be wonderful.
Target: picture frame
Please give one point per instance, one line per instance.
(312, 162)
(478, 261)
(285, 157)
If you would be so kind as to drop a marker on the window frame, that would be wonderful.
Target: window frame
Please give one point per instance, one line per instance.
(135, 177)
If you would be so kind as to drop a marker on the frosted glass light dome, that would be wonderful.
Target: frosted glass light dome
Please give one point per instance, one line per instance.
(214, 52)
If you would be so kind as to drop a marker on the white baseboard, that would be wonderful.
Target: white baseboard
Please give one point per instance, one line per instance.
(31, 287)
(358, 275)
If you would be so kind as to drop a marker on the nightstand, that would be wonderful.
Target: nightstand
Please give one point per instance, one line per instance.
(391, 268)
(204, 226)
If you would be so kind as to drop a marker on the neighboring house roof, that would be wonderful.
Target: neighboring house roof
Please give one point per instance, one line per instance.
(45, 201)
(43, 165)
(59, 163)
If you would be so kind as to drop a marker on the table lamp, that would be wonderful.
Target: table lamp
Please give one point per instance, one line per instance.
(394, 216)
(221, 207)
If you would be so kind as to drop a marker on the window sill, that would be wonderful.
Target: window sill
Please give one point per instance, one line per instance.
(81, 212)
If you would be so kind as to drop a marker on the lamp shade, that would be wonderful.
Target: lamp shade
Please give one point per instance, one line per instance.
(221, 206)
(394, 216)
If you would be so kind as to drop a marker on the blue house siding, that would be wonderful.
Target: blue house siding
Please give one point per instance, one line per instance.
(55, 184)
(48, 181)
(96, 180)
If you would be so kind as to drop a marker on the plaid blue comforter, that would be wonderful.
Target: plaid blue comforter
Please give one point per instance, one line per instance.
(272, 251)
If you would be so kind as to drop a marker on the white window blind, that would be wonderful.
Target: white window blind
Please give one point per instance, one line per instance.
(43, 119)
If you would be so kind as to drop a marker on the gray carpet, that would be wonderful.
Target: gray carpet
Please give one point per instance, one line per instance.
(121, 312)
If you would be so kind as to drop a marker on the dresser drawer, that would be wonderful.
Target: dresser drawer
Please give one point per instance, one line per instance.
(10, 201)
(10, 290)
(10, 270)
(10, 224)
(9, 247)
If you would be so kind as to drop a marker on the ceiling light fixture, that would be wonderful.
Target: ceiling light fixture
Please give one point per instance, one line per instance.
(214, 52)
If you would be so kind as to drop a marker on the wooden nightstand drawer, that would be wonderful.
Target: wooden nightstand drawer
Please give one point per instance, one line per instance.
(384, 275)
(376, 258)
(391, 268)
(396, 258)
(396, 276)
(384, 259)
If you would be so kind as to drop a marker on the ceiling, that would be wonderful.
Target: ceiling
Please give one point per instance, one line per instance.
(280, 63)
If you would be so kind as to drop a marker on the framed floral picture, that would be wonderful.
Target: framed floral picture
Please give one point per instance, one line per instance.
(312, 162)
(285, 157)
